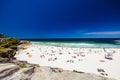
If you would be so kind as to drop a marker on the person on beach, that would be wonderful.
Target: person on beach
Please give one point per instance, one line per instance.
(29, 55)
(102, 72)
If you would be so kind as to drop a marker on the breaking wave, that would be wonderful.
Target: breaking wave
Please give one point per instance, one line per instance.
(79, 45)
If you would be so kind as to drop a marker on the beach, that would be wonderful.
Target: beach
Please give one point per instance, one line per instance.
(101, 61)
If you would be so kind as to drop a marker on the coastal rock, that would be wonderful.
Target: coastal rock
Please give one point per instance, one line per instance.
(8, 47)
(23, 44)
(7, 53)
(12, 71)
(4, 60)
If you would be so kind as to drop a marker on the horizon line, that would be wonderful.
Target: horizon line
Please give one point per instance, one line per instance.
(70, 38)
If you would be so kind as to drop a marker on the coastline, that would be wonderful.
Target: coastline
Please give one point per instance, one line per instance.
(70, 59)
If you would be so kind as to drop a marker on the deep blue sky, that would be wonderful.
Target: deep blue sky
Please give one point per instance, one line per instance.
(60, 18)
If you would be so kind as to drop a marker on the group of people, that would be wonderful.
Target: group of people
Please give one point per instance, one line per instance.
(54, 55)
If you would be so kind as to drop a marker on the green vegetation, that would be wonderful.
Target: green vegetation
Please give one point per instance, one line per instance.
(8, 42)
(77, 71)
(8, 46)
(2, 49)
(13, 47)
(23, 65)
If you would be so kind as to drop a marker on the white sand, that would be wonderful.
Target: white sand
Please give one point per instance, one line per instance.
(50, 56)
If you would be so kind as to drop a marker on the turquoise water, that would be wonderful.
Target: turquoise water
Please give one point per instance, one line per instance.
(79, 43)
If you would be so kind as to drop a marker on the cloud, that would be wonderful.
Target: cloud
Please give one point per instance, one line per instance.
(103, 33)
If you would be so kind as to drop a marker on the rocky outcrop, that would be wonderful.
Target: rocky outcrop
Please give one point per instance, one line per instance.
(8, 47)
(23, 44)
(7, 53)
(4, 60)
(21, 70)
(12, 71)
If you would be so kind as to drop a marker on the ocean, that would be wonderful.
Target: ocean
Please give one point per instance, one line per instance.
(79, 43)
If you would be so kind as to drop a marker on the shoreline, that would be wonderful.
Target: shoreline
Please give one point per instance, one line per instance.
(87, 60)
(77, 44)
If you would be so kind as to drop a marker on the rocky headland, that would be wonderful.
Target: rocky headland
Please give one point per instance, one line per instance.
(12, 69)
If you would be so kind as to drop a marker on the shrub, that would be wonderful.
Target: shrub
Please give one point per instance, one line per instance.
(8, 46)
(10, 41)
